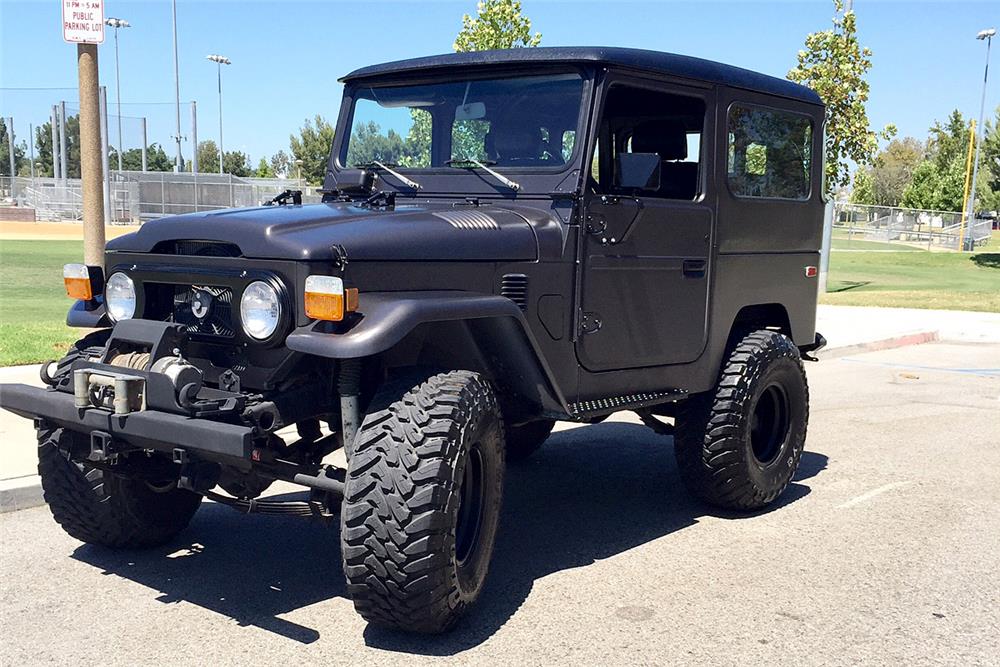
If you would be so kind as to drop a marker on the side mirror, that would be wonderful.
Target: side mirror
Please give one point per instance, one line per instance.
(356, 181)
(639, 170)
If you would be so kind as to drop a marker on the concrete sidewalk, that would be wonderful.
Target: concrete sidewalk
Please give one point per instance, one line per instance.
(848, 330)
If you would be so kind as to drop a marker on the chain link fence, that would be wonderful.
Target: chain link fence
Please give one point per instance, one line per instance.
(942, 230)
(137, 196)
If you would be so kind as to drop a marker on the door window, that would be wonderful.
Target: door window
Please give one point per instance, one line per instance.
(666, 127)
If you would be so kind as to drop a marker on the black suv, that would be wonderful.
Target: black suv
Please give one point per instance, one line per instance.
(507, 239)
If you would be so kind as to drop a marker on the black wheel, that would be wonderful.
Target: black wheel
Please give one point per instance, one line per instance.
(526, 439)
(100, 507)
(738, 446)
(422, 501)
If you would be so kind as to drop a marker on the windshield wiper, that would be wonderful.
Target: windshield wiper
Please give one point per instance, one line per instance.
(375, 164)
(457, 163)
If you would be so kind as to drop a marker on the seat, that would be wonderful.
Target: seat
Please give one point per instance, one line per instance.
(668, 139)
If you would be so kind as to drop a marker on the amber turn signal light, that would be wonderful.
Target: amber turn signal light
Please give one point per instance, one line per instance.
(326, 299)
(79, 280)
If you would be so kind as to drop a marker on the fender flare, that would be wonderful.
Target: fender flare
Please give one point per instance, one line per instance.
(389, 317)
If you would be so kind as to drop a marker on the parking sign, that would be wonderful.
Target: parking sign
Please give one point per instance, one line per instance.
(83, 21)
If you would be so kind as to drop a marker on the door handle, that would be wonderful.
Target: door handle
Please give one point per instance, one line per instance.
(694, 268)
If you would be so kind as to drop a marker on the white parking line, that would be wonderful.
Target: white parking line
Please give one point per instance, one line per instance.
(871, 494)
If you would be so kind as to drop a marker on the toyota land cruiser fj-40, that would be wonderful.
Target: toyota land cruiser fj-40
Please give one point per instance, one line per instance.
(506, 239)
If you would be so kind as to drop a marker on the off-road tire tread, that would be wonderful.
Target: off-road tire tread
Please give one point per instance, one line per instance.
(707, 442)
(99, 507)
(399, 503)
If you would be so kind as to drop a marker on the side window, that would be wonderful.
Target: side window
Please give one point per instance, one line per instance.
(769, 153)
(666, 128)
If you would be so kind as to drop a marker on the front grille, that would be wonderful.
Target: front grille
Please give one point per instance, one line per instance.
(204, 309)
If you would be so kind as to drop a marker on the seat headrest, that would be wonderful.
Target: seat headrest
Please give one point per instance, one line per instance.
(665, 137)
(514, 143)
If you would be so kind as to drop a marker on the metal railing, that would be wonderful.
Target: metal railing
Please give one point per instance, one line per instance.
(928, 229)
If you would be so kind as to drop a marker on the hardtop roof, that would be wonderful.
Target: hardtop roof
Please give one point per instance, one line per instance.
(641, 59)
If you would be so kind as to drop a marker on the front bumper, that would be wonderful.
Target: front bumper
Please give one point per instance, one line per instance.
(230, 444)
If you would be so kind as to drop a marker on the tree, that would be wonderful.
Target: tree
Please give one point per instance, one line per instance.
(885, 182)
(156, 159)
(834, 64)
(208, 156)
(281, 165)
(5, 152)
(863, 191)
(43, 148)
(988, 185)
(499, 24)
(236, 163)
(312, 146)
(264, 169)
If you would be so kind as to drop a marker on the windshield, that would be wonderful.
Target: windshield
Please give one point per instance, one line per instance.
(528, 121)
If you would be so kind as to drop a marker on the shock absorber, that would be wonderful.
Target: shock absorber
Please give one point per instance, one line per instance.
(349, 388)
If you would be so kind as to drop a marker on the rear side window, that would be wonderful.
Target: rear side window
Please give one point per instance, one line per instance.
(770, 153)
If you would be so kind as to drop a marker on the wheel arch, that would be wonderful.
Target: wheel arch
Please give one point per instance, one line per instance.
(449, 330)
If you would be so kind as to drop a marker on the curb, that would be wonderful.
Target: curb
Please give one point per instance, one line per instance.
(905, 340)
(20, 493)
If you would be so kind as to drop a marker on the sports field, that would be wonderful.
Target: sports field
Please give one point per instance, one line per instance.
(865, 273)
(33, 304)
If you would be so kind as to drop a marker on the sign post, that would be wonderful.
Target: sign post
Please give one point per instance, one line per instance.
(83, 25)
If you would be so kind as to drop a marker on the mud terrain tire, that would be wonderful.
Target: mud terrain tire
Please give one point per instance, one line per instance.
(422, 501)
(738, 446)
(100, 507)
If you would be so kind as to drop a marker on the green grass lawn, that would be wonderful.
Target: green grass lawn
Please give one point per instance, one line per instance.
(916, 279)
(33, 302)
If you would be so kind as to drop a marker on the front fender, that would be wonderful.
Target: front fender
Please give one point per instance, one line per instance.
(387, 318)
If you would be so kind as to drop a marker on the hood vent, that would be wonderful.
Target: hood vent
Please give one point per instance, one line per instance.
(467, 219)
(514, 286)
(198, 248)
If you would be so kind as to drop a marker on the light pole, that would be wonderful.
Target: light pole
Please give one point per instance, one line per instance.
(220, 61)
(118, 23)
(988, 36)
(179, 164)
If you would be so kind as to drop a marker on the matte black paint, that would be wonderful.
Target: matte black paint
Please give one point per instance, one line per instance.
(668, 290)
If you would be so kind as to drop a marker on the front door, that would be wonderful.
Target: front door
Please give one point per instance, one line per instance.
(647, 252)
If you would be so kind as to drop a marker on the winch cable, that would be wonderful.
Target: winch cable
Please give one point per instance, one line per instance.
(137, 361)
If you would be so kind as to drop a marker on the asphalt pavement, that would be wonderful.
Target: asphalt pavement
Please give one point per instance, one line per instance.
(884, 550)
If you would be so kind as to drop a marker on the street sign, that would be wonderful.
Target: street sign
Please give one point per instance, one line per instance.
(83, 21)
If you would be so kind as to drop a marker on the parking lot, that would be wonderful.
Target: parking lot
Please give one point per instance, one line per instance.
(885, 550)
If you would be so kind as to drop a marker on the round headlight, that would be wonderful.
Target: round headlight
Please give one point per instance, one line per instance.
(119, 297)
(260, 310)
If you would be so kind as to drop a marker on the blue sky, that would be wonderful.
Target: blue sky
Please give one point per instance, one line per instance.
(287, 55)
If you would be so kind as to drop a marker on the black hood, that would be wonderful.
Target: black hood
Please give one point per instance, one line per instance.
(409, 232)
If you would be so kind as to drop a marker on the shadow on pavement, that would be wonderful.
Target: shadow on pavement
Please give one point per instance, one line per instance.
(589, 494)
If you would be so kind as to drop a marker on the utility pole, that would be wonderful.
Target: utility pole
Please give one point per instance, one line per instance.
(179, 164)
(10, 152)
(220, 61)
(91, 168)
(144, 143)
(53, 126)
(118, 23)
(63, 148)
(988, 36)
(194, 137)
(31, 145)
